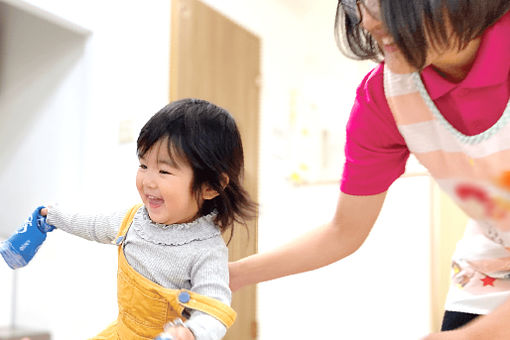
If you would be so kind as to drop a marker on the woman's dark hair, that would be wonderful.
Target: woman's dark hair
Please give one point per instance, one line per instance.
(409, 22)
(207, 137)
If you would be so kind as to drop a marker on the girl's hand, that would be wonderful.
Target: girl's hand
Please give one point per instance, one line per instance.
(176, 330)
(177, 333)
(44, 211)
(181, 333)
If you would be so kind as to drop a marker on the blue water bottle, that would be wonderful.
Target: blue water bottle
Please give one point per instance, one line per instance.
(21, 247)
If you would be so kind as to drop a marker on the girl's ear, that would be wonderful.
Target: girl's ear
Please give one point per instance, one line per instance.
(208, 193)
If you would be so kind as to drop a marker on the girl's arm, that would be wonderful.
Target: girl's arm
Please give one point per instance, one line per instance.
(94, 227)
(209, 277)
(353, 220)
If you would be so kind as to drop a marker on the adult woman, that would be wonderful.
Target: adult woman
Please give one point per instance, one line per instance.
(441, 93)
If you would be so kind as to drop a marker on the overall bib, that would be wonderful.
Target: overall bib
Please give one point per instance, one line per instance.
(145, 307)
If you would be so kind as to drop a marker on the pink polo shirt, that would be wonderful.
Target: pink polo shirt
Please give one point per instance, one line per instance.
(375, 151)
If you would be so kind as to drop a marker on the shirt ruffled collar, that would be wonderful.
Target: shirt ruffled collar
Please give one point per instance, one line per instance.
(202, 228)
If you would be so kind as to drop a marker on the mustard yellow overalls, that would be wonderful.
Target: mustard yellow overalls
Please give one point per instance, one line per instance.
(145, 307)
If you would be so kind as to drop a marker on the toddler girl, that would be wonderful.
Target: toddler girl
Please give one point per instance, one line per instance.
(173, 261)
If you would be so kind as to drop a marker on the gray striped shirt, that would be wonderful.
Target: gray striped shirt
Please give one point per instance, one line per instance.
(180, 256)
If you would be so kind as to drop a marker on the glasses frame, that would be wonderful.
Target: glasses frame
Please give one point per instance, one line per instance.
(352, 10)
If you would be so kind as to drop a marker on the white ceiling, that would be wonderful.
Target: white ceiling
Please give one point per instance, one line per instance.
(301, 7)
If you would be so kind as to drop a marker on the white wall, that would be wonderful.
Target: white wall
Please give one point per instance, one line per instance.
(42, 108)
(42, 103)
(120, 72)
(382, 291)
(61, 109)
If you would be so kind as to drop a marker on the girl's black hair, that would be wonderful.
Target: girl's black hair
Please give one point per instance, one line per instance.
(207, 137)
(409, 22)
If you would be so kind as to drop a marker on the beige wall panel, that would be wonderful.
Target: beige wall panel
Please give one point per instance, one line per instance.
(448, 225)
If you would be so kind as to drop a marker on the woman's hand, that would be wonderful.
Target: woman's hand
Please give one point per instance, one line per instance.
(234, 282)
(450, 335)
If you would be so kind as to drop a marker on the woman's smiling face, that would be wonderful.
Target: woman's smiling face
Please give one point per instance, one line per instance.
(449, 60)
(393, 57)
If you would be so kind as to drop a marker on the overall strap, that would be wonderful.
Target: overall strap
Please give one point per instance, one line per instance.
(126, 222)
(222, 312)
(182, 299)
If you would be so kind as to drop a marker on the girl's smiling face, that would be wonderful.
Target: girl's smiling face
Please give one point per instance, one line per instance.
(165, 186)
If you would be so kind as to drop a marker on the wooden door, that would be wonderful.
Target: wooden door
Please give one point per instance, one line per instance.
(215, 59)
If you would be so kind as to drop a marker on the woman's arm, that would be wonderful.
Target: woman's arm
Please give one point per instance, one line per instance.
(353, 220)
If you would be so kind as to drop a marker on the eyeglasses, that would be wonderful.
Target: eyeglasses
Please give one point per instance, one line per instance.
(353, 11)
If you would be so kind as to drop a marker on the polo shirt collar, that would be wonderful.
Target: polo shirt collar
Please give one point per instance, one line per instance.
(491, 66)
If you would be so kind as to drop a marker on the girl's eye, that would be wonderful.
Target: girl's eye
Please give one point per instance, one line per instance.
(143, 166)
(164, 172)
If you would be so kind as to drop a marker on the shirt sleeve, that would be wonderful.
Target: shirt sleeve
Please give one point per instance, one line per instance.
(210, 277)
(375, 151)
(100, 228)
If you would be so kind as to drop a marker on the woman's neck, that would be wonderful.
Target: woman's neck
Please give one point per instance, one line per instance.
(455, 65)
